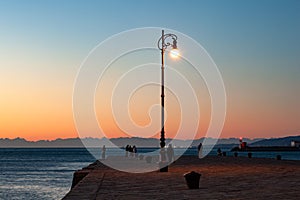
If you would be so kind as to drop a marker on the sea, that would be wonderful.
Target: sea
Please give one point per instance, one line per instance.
(46, 173)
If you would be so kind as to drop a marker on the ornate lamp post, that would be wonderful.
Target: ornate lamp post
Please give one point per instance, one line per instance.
(163, 44)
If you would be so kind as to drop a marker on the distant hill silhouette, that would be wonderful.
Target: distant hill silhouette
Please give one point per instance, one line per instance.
(286, 141)
(121, 142)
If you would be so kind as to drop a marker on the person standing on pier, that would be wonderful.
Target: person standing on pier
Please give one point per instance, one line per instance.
(170, 153)
(200, 150)
(127, 150)
(103, 152)
(134, 151)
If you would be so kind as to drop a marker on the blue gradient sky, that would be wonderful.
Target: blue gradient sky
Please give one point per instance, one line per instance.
(255, 44)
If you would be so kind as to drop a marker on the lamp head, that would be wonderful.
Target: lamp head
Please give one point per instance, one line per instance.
(174, 44)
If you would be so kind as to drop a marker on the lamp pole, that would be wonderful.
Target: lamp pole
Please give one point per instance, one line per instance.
(163, 45)
(162, 132)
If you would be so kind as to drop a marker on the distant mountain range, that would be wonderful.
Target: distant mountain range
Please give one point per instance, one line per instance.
(286, 141)
(141, 142)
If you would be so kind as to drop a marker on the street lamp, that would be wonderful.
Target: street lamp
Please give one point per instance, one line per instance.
(163, 43)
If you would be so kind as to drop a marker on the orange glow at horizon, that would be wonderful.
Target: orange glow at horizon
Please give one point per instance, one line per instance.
(33, 117)
(37, 105)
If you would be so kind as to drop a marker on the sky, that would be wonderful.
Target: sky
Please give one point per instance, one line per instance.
(255, 45)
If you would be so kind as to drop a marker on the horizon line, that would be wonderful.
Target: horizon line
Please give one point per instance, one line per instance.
(50, 140)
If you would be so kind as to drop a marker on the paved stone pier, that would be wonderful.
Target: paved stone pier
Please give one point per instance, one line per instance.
(222, 178)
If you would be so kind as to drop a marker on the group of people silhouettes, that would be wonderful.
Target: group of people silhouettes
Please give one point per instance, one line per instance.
(131, 151)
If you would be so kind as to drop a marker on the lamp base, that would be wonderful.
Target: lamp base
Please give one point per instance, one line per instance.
(163, 166)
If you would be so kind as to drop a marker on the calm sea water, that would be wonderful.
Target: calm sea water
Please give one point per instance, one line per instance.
(46, 173)
(39, 173)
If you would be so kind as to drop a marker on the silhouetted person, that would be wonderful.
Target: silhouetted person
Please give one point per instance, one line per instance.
(170, 153)
(219, 152)
(103, 152)
(130, 150)
(200, 147)
(127, 149)
(136, 154)
(134, 150)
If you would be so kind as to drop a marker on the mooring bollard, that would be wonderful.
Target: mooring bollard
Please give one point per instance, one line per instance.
(192, 179)
(163, 166)
(148, 159)
(278, 157)
(249, 155)
(141, 157)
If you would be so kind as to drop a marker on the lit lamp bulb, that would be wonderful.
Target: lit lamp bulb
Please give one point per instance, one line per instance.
(174, 53)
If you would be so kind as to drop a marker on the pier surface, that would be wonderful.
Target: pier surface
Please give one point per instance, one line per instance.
(221, 178)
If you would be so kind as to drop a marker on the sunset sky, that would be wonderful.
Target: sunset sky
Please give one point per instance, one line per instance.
(255, 44)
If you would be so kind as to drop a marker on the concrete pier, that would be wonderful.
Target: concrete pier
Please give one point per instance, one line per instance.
(222, 178)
